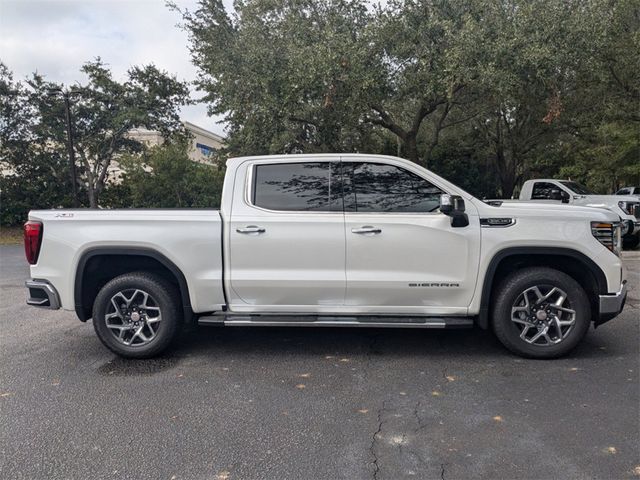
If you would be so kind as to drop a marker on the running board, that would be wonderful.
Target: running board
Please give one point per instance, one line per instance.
(279, 320)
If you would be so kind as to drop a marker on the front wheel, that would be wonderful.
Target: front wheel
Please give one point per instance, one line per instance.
(540, 312)
(137, 315)
(630, 242)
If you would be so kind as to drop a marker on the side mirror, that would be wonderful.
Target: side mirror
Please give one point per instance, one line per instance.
(453, 206)
(559, 195)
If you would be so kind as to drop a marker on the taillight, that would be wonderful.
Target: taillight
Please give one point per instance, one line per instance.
(32, 240)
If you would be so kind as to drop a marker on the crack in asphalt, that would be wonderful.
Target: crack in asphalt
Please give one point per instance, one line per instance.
(418, 418)
(372, 449)
(442, 471)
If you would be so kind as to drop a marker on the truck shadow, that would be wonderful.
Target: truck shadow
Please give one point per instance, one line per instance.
(302, 341)
(270, 345)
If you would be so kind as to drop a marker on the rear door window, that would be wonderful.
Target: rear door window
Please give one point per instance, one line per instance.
(312, 186)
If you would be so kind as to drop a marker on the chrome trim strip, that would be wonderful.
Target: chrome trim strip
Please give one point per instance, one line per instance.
(333, 323)
(301, 320)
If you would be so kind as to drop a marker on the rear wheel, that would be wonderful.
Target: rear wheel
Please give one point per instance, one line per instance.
(540, 313)
(137, 315)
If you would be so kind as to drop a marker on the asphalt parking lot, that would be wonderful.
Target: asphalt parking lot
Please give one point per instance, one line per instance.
(283, 403)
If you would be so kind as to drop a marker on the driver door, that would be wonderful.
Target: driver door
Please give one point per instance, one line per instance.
(402, 254)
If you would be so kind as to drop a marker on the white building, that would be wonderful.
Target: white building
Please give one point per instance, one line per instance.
(203, 146)
(203, 142)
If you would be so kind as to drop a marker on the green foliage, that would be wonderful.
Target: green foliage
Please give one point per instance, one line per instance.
(165, 177)
(620, 146)
(525, 86)
(486, 93)
(37, 169)
(289, 76)
(103, 111)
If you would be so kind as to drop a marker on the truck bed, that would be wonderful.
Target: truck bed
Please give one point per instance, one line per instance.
(191, 239)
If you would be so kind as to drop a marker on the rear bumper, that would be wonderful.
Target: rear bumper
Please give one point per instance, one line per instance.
(612, 304)
(42, 294)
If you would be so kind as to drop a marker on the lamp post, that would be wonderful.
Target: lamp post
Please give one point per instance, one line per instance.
(72, 155)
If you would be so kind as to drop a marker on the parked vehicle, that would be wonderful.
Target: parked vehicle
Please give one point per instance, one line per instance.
(332, 240)
(566, 191)
(635, 191)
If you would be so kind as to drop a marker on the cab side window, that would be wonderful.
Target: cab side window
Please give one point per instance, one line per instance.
(312, 186)
(375, 187)
(542, 191)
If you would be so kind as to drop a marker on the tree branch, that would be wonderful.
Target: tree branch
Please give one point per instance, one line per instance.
(387, 122)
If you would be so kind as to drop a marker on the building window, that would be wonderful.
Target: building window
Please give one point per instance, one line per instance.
(206, 150)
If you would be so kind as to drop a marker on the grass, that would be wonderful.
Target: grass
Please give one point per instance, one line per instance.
(10, 235)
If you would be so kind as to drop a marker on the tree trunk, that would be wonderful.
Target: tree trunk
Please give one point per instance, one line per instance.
(411, 146)
(508, 185)
(93, 195)
(506, 172)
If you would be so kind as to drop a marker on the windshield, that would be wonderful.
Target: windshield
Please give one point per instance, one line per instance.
(577, 188)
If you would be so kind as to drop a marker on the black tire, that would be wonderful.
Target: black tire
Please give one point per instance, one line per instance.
(630, 242)
(164, 296)
(513, 287)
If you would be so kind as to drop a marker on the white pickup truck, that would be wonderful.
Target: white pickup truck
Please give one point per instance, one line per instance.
(627, 207)
(332, 240)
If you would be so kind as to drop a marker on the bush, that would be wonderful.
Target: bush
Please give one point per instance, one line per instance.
(165, 177)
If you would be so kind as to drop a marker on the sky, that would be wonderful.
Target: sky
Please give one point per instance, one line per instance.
(55, 37)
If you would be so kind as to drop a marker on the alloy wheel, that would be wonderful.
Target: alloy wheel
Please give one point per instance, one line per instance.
(133, 317)
(543, 315)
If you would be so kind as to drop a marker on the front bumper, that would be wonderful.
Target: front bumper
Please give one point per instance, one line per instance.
(42, 294)
(612, 304)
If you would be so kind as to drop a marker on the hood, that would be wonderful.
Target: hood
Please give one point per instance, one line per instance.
(608, 199)
(520, 208)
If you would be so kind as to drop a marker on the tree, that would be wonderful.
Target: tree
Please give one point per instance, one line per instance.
(36, 168)
(165, 177)
(285, 74)
(308, 75)
(603, 144)
(103, 112)
(106, 110)
(426, 53)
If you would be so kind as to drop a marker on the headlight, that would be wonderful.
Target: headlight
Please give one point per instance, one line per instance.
(628, 207)
(608, 234)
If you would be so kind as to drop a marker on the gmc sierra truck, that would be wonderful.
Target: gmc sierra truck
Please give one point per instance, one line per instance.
(332, 240)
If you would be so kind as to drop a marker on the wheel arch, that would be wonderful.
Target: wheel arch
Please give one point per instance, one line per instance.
(577, 265)
(106, 263)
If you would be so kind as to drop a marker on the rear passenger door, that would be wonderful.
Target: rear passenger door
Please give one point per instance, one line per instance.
(286, 244)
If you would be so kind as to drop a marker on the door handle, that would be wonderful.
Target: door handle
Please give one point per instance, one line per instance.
(251, 229)
(366, 229)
